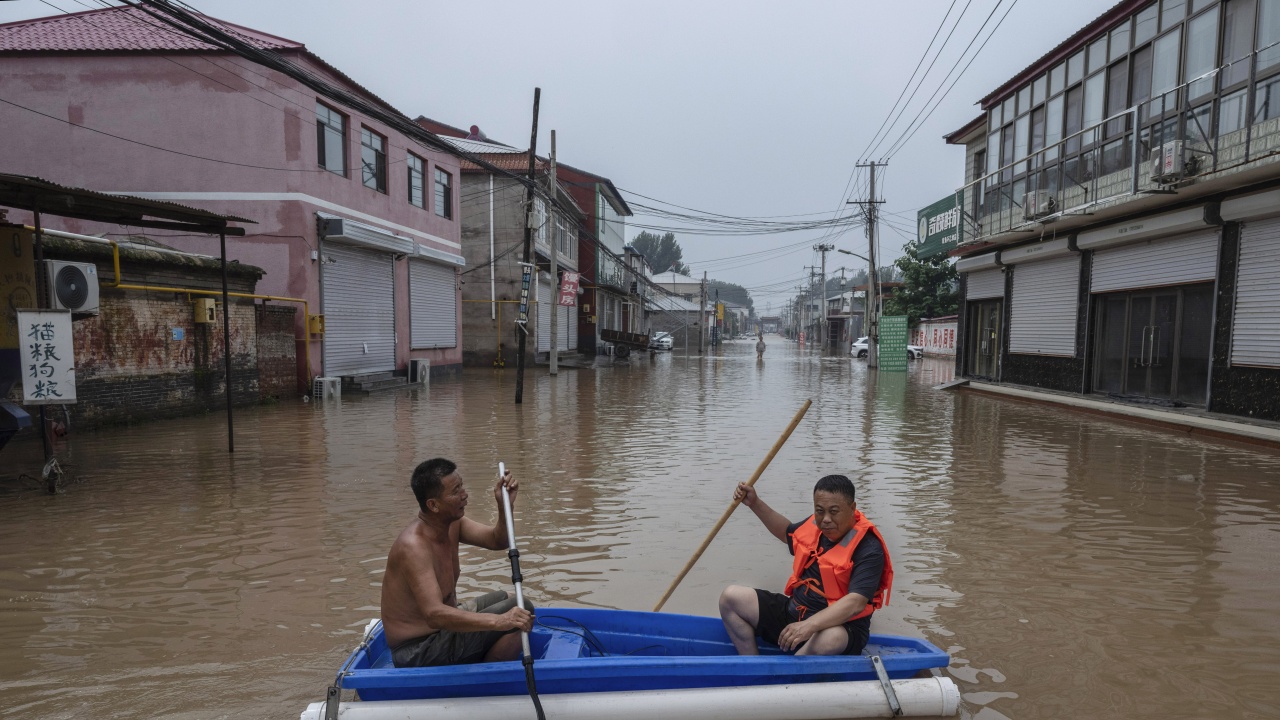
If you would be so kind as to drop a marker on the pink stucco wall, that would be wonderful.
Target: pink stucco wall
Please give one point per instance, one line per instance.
(242, 118)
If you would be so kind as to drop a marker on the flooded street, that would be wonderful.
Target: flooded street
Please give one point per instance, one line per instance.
(1074, 567)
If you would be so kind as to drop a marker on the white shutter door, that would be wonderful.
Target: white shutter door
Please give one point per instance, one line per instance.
(1255, 324)
(1044, 307)
(433, 305)
(568, 336)
(359, 311)
(984, 284)
(1155, 263)
(544, 317)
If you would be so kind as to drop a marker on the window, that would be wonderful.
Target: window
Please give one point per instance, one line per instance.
(1053, 123)
(417, 180)
(1268, 33)
(373, 160)
(1024, 100)
(331, 139)
(1021, 135)
(1058, 79)
(1171, 11)
(994, 120)
(444, 194)
(1164, 67)
(1007, 109)
(1120, 41)
(1038, 90)
(1266, 101)
(1037, 129)
(1094, 97)
(1237, 40)
(1098, 54)
(1075, 102)
(1075, 68)
(1202, 51)
(1117, 97)
(1231, 112)
(993, 158)
(1141, 80)
(1144, 25)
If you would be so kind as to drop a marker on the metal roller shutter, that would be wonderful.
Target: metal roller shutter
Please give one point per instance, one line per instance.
(544, 317)
(433, 305)
(984, 284)
(1155, 263)
(1255, 324)
(1044, 306)
(568, 338)
(359, 311)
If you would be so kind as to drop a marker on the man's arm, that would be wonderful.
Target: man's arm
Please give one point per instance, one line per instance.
(426, 592)
(773, 521)
(491, 537)
(798, 633)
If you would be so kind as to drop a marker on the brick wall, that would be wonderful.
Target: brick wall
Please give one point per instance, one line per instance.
(277, 352)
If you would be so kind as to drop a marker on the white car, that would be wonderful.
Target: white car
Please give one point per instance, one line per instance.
(914, 352)
(661, 341)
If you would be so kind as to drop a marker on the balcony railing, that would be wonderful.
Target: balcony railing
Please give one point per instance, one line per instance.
(1180, 137)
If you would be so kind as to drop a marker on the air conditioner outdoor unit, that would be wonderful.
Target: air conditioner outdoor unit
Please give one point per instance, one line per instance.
(326, 388)
(1166, 162)
(419, 371)
(73, 286)
(1037, 204)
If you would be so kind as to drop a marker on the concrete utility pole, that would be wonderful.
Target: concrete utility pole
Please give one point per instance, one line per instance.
(809, 315)
(555, 270)
(528, 251)
(826, 331)
(873, 274)
(702, 315)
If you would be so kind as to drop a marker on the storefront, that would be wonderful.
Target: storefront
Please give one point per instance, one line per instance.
(984, 315)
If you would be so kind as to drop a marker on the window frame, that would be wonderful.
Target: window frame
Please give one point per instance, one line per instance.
(323, 127)
(442, 202)
(421, 170)
(379, 159)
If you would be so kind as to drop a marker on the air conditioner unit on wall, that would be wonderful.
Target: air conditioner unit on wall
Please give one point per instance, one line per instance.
(1166, 162)
(326, 388)
(73, 286)
(1037, 204)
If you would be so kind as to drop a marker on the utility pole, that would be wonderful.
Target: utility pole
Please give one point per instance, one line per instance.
(826, 332)
(809, 319)
(555, 270)
(873, 274)
(702, 315)
(528, 252)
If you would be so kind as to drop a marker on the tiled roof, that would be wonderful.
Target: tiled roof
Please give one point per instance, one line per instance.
(123, 28)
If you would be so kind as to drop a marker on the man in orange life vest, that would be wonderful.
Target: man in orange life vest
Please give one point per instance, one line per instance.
(840, 575)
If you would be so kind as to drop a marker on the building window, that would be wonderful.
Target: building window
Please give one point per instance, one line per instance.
(373, 160)
(444, 194)
(1268, 33)
(1231, 112)
(1202, 51)
(1266, 101)
(1144, 25)
(331, 139)
(1171, 11)
(1237, 40)
(417, 181)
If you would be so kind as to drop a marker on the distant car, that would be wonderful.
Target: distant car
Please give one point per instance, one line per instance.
(914, 352)
(661, 341)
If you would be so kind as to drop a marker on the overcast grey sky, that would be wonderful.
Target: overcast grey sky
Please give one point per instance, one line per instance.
(740, 107)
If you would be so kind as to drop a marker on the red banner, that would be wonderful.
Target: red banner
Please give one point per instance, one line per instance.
(569, 290)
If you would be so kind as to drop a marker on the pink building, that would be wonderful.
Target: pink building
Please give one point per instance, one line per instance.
(359, 220)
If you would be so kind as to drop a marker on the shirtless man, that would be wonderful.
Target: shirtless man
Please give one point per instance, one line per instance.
(425, 625)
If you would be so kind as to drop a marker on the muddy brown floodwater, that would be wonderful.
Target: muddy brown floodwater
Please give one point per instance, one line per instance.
(1073, 566)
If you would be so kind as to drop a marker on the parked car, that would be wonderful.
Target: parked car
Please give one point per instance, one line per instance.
(661, 341)
(914, 352)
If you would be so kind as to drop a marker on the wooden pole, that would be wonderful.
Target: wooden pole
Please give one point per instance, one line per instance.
(734, 505)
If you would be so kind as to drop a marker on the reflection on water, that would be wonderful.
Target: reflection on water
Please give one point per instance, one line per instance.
(1074, 567)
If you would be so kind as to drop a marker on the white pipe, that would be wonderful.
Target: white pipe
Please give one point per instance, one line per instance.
(927, 697)
(511, 545)
(493, 277)
(109, 241)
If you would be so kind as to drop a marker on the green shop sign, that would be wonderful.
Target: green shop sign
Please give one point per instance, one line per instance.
(941, 227)
(893, 343)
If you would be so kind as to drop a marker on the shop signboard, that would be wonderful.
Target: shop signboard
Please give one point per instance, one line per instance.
(941, 227)
(48, 359)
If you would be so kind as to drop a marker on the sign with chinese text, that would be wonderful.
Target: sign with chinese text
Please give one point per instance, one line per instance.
(17, 282)
(719, 313)
(568, 289)
(523, 318)
(893, 343)
(941, 227)
(48, 359)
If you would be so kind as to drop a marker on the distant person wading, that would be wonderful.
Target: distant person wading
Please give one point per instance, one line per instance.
(760, 347)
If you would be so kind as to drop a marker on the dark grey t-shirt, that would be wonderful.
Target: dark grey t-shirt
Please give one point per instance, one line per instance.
(868, 564)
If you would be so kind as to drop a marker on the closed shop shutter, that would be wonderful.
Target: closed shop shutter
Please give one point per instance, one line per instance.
(568, 338)
(1155, 263)
(983, 284)
(433, 305)
(1044, 306)
(359, 311)
(544, 317)
(1255, 328)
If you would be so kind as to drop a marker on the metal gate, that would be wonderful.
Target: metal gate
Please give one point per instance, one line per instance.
(1255, 331)
(568, 317)
(1044, 305)
(1157, 263)
(984, 284)
(359, 310)
(433, 305)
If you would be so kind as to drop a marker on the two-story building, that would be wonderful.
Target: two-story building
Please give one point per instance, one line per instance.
(1121, 232)
(353, 216)
(601, 258)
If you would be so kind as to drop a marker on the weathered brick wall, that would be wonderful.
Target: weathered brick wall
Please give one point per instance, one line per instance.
(277, 352)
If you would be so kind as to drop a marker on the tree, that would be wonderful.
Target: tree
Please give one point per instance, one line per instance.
(662, 253)
(730, 292)
(929, 289)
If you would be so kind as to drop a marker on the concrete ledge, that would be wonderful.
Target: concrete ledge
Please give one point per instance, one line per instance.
(1186, 421)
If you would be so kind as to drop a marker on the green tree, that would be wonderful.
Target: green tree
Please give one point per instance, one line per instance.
(929, 287)
(662, 253)
(730, 292)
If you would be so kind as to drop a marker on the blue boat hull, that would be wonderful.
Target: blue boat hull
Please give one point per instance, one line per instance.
(581, 650)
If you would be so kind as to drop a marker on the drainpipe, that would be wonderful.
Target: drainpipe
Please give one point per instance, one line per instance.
(493, 278)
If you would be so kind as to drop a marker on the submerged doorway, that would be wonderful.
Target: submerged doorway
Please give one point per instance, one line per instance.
(984, 340)
(1154, 343)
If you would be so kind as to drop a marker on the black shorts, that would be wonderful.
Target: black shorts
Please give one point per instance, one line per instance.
(774, 617)
(446, 647)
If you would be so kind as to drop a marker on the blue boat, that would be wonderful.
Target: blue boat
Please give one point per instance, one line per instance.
(582, 650)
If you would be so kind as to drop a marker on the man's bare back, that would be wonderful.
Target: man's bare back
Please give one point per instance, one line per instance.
(419, 588)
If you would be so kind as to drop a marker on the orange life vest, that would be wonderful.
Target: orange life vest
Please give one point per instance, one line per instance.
(836, 564)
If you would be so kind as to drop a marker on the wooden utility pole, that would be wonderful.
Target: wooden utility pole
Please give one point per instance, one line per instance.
(528, 251)
(555, 271)
(873, 273)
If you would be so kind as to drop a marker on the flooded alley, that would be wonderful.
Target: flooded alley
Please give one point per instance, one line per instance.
(1073, 566)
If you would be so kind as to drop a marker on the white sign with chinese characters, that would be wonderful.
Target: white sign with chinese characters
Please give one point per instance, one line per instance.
(48, 360)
